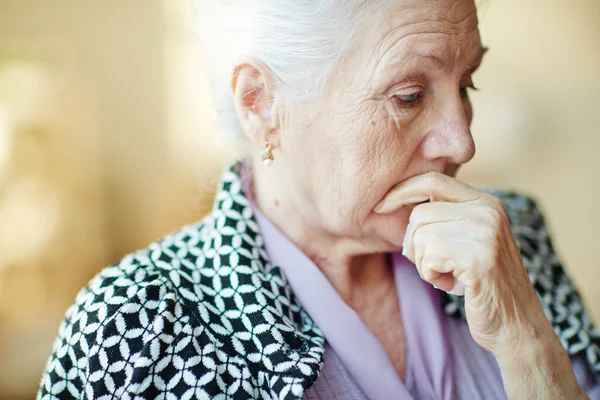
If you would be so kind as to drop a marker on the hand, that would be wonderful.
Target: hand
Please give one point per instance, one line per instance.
(464, 234)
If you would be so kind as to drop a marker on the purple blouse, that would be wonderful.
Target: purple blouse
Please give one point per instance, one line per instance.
(443, 360)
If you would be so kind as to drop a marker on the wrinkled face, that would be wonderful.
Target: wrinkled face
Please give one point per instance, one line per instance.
(397, 106)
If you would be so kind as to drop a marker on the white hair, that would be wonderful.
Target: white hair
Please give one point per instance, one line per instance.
(300, 41)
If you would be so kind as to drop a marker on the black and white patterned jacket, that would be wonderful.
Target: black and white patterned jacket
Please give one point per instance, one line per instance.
(203, 314)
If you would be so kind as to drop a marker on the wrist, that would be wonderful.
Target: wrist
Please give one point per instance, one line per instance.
(538, 367)
(527, 342)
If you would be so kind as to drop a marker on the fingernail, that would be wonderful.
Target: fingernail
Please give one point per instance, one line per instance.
(458, 289)
(406, 233)
(404, 241)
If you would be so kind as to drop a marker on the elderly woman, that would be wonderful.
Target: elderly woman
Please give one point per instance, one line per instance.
(323, 271)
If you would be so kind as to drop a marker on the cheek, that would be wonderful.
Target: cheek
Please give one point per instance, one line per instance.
(368, 150)
(377, 158)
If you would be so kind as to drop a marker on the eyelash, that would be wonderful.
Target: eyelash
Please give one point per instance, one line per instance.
(464, 90)
(407, 101)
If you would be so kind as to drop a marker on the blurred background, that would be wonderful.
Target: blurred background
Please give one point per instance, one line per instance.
(107, 142)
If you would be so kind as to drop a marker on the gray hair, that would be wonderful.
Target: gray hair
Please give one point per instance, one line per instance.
(300, 41)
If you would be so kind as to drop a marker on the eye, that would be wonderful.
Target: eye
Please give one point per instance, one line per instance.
(408, 99)
(411, 98)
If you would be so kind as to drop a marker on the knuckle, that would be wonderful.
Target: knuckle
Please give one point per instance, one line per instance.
(428, 256)
(485, 258)
(493, 215)
(427, 270)
(428, 259)
(495, 203)
(429, 274)
(431, 256)
(420, 240)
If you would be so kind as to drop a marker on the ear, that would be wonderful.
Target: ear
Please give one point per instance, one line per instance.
(252, 87)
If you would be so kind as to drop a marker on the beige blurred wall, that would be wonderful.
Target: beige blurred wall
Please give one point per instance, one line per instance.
(106, 143)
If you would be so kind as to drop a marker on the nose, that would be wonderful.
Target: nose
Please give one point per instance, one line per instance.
(449, 133)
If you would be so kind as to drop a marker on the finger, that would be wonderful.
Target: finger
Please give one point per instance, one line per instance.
(438, 270)
(440, 213)
(432, 226)
(431, 269)
(458, 289)
(432, 186)
(439, 259)
(433, 259)
(445, 282)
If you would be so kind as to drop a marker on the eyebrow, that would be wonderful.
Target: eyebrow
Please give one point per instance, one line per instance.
(477, 62)
(441, 64)
(411, 78)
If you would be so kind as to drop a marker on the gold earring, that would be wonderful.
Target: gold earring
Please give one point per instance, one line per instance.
(267, 155)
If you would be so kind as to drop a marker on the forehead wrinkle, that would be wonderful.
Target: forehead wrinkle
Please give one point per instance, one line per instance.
(396, 57)
(454, 7)
(393, 57)
(462, 21)
(422, 15)
(399, 57)
(395, 27)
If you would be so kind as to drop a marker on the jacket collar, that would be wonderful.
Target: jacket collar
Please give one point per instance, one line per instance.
(227, 281)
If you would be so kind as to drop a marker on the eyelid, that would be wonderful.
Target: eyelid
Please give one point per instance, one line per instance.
(408, 91)
(467, 80)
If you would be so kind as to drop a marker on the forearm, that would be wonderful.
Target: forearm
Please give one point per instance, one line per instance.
(539, 369)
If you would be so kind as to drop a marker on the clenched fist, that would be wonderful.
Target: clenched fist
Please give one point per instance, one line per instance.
(457, 234)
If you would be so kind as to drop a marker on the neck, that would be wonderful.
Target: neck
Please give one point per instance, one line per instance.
(356, 272)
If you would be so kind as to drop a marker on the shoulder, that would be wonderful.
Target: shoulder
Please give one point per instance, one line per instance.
(130, 327)
(198, 314)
